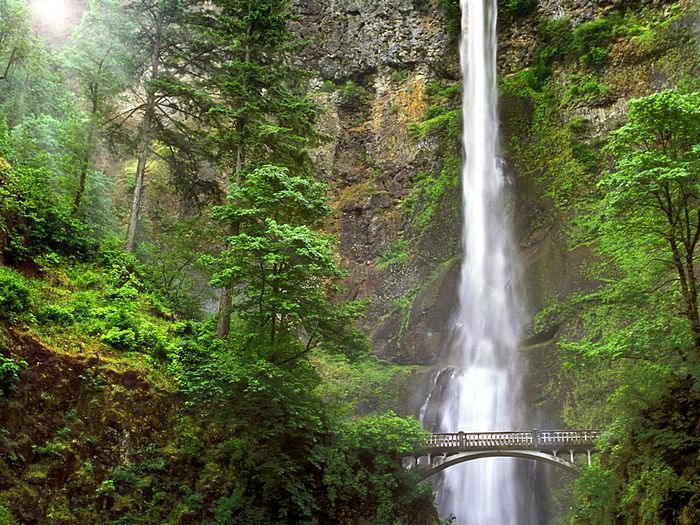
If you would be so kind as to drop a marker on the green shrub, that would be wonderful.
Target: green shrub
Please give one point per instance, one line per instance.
(15, 294)
(353, 95)
(555, 44)
(594, 34)
(6, 516)
(132, 334)
(57, 314)
(453, 14)
(124, 329)
(9, 374)
(588, 89)
(592, 39)
(397, 255)
(32, 220)
(57, 447)
(595, 57)
(328, 86)
(521, 7)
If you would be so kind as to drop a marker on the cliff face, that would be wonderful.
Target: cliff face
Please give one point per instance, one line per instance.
(376, 63)
(388, 80)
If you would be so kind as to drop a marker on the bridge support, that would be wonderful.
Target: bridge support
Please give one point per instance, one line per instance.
(440, 463)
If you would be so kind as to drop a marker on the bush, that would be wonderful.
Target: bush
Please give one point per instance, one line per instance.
(594, 34)
(9, 378)
(132, 334)
(56, 314)
(124, 329)
(353, 95)
(6, 516)
(555, 44)
(521, 7)
(14, 294)
(32, 221)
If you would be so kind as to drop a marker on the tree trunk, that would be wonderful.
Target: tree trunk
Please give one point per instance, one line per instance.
(138, 188)
(223, 326)
(85, 166)
(145, 140)
(90, 147)
(693, 316)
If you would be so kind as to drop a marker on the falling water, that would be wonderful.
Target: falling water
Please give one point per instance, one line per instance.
(478, 388)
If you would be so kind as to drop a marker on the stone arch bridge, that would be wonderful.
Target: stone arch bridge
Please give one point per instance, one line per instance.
(556, 447)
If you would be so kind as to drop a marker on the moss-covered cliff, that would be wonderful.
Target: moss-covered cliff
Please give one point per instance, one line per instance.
(566, 70)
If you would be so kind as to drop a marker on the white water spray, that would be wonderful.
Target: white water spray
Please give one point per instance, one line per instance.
(479, 390)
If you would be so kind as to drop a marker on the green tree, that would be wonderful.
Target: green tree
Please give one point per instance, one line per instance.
(152, 44)
(633, 341)
(16, 43)
(101, 66)
(283, 267)
(365, 479)
(257, 110)
(653, 191)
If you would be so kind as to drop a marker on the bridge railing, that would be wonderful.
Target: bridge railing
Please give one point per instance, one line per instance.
(533, 440)
(481, 440)
(566, 438)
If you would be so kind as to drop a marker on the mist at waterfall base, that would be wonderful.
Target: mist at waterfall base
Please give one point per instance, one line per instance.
(478, 388)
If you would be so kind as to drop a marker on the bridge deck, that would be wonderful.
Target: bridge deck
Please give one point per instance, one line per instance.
(545, 440)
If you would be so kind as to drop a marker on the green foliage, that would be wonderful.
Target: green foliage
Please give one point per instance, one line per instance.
(33, 218)
(453, 14)
(520, 7)
(328, 86)
(650, 460)
(545, 149)
(15, 294)
(57, 447)
(653, 193)
(393, 435)
(591, 40)
(553, 45)
(260, 112)
(560, 41)
(57, 314)
(439, 121)
(353, 95)
(6, 516)
(426, 198)
(588, 90)
(372, 486)
(361, 386)
(651, 30)
(305, 466)
(595, 492)
(229, 99)
(9, 374)
(172, 257)
(397, 255)
(287, 266)
(632, 342)
(122, 327)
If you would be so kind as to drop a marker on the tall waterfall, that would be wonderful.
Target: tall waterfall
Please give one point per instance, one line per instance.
(478, 388)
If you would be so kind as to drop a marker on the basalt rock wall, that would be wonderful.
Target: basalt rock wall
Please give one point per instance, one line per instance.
(387, 77)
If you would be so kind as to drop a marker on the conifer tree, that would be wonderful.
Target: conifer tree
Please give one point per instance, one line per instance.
(257, 110)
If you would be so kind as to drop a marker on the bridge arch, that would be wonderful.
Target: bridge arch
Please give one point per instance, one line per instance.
(438, 465)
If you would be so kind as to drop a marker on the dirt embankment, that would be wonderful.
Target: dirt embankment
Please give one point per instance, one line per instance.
(71, 422)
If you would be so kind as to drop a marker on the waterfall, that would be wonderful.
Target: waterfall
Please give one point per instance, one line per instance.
(478, 389)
